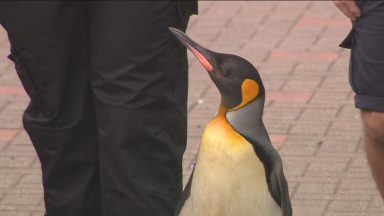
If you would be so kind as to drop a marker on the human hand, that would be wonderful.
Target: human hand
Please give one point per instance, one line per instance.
(349, 8)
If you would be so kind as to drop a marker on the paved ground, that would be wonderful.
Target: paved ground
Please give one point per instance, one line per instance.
(309, 112)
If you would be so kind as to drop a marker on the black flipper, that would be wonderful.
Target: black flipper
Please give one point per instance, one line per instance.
(277, 184)
(248, 122)
(184, 196)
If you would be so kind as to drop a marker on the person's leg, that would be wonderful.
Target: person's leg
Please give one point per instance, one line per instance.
(367, 78)
(48, 42)
(140, 85)
(374, 145)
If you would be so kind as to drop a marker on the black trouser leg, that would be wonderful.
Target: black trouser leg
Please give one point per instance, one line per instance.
(140, 84)
(49, 49)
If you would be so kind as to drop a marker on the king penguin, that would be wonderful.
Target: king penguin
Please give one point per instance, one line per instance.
(237, 172)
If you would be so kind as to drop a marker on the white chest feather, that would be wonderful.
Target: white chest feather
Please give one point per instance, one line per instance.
(229, 179)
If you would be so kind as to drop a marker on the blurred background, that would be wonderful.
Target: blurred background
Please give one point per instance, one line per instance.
(309, 111)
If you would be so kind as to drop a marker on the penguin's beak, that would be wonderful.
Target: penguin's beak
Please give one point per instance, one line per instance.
(202, 54)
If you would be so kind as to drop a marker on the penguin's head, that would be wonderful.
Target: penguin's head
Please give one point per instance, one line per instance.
(237, 80)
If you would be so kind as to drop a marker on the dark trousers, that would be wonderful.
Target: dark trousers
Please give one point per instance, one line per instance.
(108, 89)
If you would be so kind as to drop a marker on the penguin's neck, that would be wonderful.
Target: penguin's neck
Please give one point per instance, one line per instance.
(235, 125)
(220, 137)
(248, 120)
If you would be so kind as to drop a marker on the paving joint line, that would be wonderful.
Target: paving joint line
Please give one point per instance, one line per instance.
(196, 103)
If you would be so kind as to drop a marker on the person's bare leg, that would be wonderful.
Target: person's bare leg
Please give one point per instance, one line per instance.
(374, 145)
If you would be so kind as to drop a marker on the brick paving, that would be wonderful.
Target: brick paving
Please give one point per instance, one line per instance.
(309, 110)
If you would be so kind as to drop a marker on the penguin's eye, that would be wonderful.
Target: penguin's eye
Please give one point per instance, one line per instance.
(225, 66)
(225, 72)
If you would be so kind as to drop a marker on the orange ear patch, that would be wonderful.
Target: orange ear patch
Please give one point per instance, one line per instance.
(249, 91)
